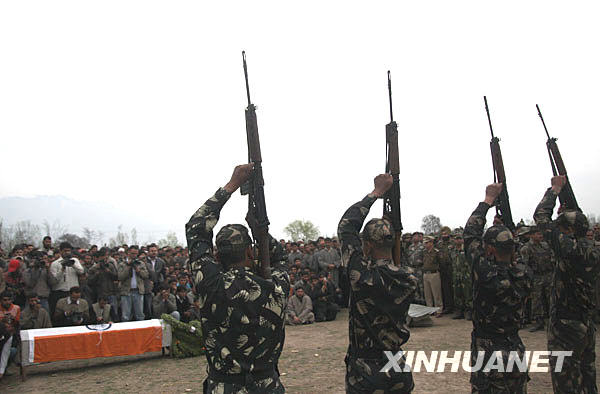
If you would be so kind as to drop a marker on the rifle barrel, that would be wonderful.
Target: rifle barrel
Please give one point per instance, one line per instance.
(246, 76)
(390, 95)
(488, 115)
(542, 118)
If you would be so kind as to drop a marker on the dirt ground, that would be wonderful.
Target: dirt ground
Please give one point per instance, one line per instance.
(312, 362)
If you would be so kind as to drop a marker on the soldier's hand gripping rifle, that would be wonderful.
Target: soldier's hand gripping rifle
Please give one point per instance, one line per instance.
(254, 188)
(502, 203)
(566, 196)
(391, 199)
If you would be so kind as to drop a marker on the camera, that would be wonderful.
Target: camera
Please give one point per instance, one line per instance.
(68, 262)
(76, 317)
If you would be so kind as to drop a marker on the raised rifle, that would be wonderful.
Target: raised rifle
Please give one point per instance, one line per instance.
(502, 203)
(566, 196)
(254, 188)
(391, 199)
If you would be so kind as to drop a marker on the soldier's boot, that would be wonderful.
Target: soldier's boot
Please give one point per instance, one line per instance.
(468, 316)
(539, 326)
(459, 315)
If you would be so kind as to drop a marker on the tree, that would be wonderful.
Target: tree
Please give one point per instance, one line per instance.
(431, 224)
(54, 230)
(169, 240)
(75, 240)
(120, 239)
(134, 240)
(302, 230)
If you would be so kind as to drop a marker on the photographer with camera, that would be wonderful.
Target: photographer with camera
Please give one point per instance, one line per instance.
(72, 310)
(103, 278)
(65, 274)
(101, 311)
(34, 315)
(37, 278)
(132, 273)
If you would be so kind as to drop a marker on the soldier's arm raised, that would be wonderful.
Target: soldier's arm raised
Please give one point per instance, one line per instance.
(199, 229)
(474, 227)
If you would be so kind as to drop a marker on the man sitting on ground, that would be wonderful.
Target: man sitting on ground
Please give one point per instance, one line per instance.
(300, 308)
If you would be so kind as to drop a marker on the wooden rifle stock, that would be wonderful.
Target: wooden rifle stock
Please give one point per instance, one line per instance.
(391, 200)
(566, 196)
(502, 202)
(255, 189)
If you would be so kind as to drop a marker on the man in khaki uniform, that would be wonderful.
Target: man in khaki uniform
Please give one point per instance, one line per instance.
(431, 275)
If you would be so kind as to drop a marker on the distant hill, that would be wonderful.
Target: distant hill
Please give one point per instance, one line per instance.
(75, 215)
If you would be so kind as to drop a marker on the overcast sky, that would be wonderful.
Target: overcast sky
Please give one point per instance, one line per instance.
(140, 104)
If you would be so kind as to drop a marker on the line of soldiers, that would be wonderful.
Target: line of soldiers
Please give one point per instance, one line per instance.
(243, 314)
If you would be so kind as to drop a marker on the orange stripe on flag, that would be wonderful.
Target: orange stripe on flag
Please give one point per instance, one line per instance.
(97, 344)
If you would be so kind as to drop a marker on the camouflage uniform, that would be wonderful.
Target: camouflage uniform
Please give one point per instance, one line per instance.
(461, 270)
(572, 302)
(498, 292)
(381, 293)
(446, 274)
(242, 313)
(415, 261)
(538, 256)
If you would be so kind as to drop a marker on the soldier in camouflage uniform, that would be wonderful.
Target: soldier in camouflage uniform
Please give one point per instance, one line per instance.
(572, 303)
(444, 245)
(415, 261)
(242, 313)
(538, 256)
(461, 269)
(499, 286)
(380, 296)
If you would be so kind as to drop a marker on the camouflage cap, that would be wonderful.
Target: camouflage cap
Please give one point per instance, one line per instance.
(571, 217)
(407, 236)
(233, 238)
(498, 235)
(379, 231)
(428, 238)
(445, 229)
(524, 230)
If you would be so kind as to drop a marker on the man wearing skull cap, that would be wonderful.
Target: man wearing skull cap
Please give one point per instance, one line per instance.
(380, 295)
(499, 288)
(572, 302)
(243, 314)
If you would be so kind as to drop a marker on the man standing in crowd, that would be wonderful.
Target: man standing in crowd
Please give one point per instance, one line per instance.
(72, 310)
(103, 277)
(536, 253)
(300, 308)
(131, 273)
(461, 271)
(444, 246)
(415, 260)
(34, 316)
(37, 278)
(10, 315)
(432, 285)
(65, 272)
(499, 287)
(243, 314)
(380, 296)
(158, 267)
(294, 253)
(47, 246)
(570, 326)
